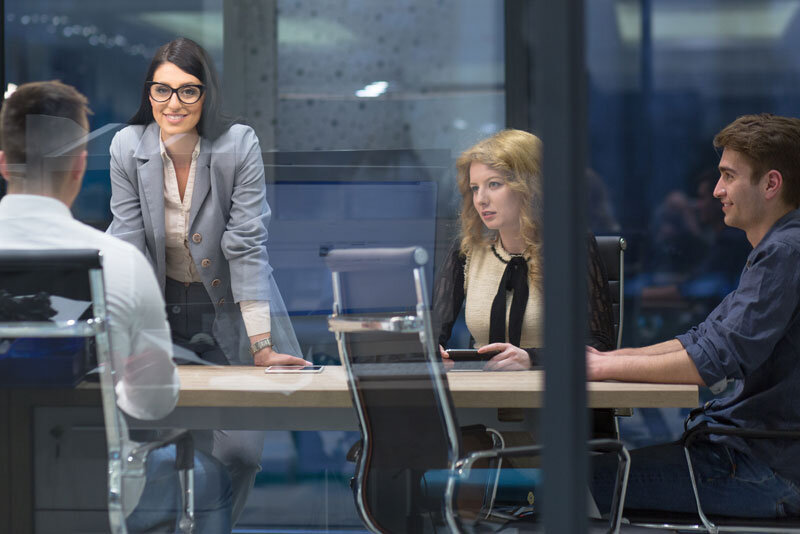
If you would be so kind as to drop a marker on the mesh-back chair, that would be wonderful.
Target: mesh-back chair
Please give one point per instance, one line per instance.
(612, 252)
(78, 275)
(381, 319)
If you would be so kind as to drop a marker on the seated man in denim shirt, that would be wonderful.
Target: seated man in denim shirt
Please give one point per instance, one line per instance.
(751, 338)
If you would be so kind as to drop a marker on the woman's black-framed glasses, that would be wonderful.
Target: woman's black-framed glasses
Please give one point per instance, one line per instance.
(188, 94)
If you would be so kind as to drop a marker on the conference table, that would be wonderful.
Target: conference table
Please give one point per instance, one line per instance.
(247, 397)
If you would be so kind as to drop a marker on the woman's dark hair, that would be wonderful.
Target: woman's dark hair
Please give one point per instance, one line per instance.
(192, 59)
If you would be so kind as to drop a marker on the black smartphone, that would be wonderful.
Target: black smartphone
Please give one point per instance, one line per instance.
(470, 355)
(294, 369)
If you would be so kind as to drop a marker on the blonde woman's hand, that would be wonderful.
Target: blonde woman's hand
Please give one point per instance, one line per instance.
(446, 360)
(510, 357)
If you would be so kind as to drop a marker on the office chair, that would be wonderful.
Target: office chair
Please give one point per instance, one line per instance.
(612, 252)
(382, 324)
(78, 275)
(702, 522)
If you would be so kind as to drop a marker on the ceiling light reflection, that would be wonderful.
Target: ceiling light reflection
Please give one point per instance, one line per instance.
(373, 90)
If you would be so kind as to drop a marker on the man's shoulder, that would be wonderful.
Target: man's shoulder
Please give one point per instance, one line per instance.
(773, 263)
(115, 251)
(129, 278)
(784, 240)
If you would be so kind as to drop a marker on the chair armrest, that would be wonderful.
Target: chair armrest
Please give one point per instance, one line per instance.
(184, 448)
(704, 429)
(463, 467)
(597, 445)
(605, 445)
(465, 464)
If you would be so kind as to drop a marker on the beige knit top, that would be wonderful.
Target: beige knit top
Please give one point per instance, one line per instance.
(482, 274)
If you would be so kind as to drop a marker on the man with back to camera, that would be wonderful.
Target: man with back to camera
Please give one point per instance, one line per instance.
(752, 338)
(43, 128)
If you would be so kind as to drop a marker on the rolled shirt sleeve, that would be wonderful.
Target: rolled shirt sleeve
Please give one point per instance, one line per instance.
(255, 314)
(741, 333)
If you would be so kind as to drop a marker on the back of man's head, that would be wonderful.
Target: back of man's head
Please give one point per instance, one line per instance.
(768, 142)
(43, 127)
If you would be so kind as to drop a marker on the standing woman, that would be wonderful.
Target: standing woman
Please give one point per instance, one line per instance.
(497, 266)
(188, 189)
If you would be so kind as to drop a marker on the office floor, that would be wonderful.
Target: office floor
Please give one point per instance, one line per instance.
(324, 505)
(304, 486)
(304, 483)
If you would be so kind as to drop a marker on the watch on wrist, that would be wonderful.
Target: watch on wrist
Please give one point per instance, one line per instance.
(260, 344)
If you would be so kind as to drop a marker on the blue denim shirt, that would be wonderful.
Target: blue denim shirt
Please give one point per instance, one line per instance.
(753, 338)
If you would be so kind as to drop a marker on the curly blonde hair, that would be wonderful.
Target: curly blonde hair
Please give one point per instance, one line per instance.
(518, 156)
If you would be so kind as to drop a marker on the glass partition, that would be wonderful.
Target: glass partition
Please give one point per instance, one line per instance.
(361, 109)
(664, 78)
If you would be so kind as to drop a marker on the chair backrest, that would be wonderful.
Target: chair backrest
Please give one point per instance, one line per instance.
(612, 251)
(75, 275)
(396, 381)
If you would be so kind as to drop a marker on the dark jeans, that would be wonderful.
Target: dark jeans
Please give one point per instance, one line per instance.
(729, 482)
(160, 501)
(191, 317)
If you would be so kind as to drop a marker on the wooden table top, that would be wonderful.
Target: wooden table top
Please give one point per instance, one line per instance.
(252, 387)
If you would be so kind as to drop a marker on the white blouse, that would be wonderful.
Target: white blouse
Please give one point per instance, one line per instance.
(180, 264)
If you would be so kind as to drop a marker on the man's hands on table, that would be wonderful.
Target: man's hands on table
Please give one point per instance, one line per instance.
(666, 363)
(595, 360)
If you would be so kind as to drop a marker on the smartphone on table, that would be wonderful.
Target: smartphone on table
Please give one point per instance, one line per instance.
(470, 355)
(469, 359)
(294, 369)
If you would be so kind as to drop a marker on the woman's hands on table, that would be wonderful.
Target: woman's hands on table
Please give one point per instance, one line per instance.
(510, 357)
(267, 356)
(446, 360)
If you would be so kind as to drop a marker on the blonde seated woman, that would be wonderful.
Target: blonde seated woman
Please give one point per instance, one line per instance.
(495, 270)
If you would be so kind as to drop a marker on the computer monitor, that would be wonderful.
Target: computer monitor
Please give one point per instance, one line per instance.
(343, 199)
(324, 200)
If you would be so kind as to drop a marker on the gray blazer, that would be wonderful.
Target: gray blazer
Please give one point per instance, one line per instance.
(227, 223)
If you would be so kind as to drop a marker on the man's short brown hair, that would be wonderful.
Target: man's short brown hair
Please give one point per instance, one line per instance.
(43, 101)
(769, 142)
